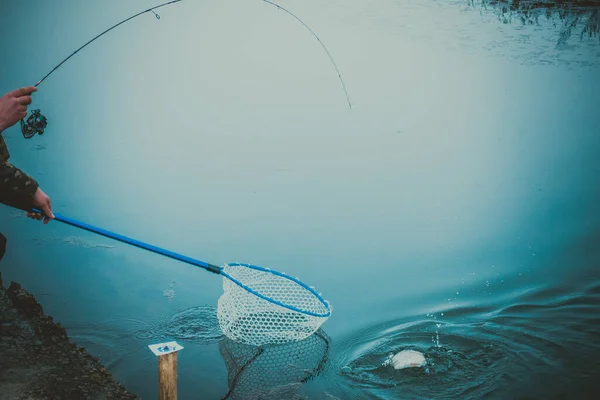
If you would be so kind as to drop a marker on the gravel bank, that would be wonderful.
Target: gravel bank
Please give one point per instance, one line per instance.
(38, 361)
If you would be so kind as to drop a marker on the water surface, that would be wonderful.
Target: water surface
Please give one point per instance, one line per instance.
(451, 210)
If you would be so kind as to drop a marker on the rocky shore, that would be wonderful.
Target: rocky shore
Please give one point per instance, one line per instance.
(38, 360)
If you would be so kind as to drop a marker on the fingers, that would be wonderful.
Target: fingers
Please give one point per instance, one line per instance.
(23, 91)
(24, 100)
(40, 217)
(33, 215)
(23, 97)
(48, 211)
(42, 201)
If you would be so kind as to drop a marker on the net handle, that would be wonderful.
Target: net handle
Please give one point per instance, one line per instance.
(209, 267)
(164, 252)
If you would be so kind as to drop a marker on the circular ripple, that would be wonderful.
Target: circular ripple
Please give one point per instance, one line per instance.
(195, 324)
(457, 366)
(537, 345)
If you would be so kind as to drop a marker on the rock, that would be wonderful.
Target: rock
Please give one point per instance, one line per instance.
(23, 301)
(38, 360)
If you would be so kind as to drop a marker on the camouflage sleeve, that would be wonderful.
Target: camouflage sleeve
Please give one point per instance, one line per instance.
(17, 189)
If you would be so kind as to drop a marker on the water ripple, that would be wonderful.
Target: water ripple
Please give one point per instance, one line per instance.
(491, 349)
(197, 324)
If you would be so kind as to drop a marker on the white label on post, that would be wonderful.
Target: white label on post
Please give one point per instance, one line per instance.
(161, 349)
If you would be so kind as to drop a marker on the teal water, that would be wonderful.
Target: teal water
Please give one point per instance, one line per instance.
(461, 190)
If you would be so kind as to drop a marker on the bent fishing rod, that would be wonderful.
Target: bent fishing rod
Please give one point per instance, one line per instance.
(37, 122)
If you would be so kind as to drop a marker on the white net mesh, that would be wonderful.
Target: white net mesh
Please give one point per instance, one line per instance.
(246, 317)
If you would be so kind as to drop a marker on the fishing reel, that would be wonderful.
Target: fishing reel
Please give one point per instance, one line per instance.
(36, 123)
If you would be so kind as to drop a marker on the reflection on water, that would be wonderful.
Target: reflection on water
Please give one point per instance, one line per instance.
(568, 16)
(273, 372)
(266, 372)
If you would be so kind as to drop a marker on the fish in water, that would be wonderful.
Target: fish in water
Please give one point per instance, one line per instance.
(407, 359)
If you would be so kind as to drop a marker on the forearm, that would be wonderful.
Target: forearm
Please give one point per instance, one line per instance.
(17, 189)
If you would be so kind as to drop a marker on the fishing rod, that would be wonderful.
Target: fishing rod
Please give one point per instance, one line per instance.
(37, 122)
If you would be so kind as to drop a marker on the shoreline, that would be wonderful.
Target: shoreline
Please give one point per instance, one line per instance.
(39, 361)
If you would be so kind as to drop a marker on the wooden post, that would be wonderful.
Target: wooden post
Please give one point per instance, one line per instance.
(167, 376)
(167, 369)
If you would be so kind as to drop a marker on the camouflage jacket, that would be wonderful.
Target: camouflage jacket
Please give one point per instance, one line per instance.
(17, 189)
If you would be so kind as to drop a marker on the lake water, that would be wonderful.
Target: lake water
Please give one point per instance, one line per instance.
(451, 210)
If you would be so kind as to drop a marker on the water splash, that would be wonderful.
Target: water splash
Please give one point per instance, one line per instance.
(486, 350)
(436, 339)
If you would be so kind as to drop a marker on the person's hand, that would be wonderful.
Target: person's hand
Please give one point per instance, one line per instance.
(13, 106)
(42, 202)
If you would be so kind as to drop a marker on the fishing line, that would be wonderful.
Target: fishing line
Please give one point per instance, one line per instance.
(106, 31)
(322, 44)
(37, 122)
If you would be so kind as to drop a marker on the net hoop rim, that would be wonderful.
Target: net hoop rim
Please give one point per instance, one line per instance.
(276, 302)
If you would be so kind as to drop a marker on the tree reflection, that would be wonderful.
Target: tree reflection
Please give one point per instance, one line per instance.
(581, 17)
